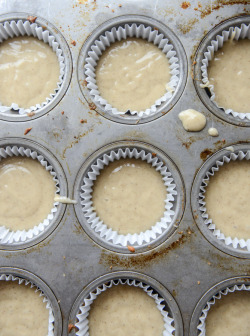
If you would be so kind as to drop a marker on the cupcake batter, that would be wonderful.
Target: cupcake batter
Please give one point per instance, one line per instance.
(129, 196)
(23, 311)
(125, 310)
(230, 315)
(132, 74)
(27, 193)
(29, 71)
(229, 72)
(192, 121)
(227, 199)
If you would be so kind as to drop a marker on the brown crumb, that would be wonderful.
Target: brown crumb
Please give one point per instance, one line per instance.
(185, 5)
(62, 112)
(31, 114)
(82, 121)
(180, 232)
(155, 28)
(131, 248)
(154, 154)
(209, 263)
(70, 327)
(198, 282)
(85, 82)
(32, 19)
(189, 232)
(194, 62)
(92, 106)
(27, 130)
(113, 11)
(111, 267)
(73, 42)
(120, 5)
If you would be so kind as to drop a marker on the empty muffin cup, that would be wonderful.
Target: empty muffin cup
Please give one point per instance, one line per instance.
(22, 33)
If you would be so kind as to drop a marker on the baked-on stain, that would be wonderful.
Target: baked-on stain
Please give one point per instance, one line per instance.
(221, 3)
(185, 5)
(206, 153)
(186, 27)
(139, 260)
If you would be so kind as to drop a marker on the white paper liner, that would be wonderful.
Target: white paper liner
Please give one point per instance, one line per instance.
(9, 277)
(228, 241)
(82, 316)
(234, 33)
(117, 34)
(202, 320)
(7, 236)
(22, 28)
(101, 228)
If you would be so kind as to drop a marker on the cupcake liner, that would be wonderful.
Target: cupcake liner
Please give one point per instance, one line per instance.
(236, 243)
(13, 29)
(233, 33)
(202, 320)
(8, 236)
(117, 34)
(82, 316)
(9, 277)
(97, 224)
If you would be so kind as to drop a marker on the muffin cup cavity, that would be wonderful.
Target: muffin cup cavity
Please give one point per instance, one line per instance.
(96, 224)
(14, 28)
(83, 311)
(118, 34)
(202, 320)
(232, 33)
(235, 243)
(26, 282)
(15, 238)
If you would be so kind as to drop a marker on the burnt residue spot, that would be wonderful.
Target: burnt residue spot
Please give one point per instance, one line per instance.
(185, 5)
(130, 261)
(220, 3)
(205, 154)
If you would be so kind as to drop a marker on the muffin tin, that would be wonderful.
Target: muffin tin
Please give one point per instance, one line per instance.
(70, 260)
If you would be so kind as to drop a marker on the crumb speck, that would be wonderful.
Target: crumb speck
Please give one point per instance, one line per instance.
(131, 248)
(198, 282)
(73, 42)
(27, 130)
(32, 19)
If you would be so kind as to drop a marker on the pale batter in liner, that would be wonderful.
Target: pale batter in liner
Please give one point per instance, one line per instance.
(27, 193)
(129, 196)
(231, 229)
(229, 38)
(111, 314)
(123, 33)
(25, 310)
(159, 309)
(227, 313)
(29, 71)
(137, 71)
(25, 29)
(229, 73)
(8, 236)
(96, 224)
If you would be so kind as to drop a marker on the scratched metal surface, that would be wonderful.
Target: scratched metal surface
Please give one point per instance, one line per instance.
(68, 260)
